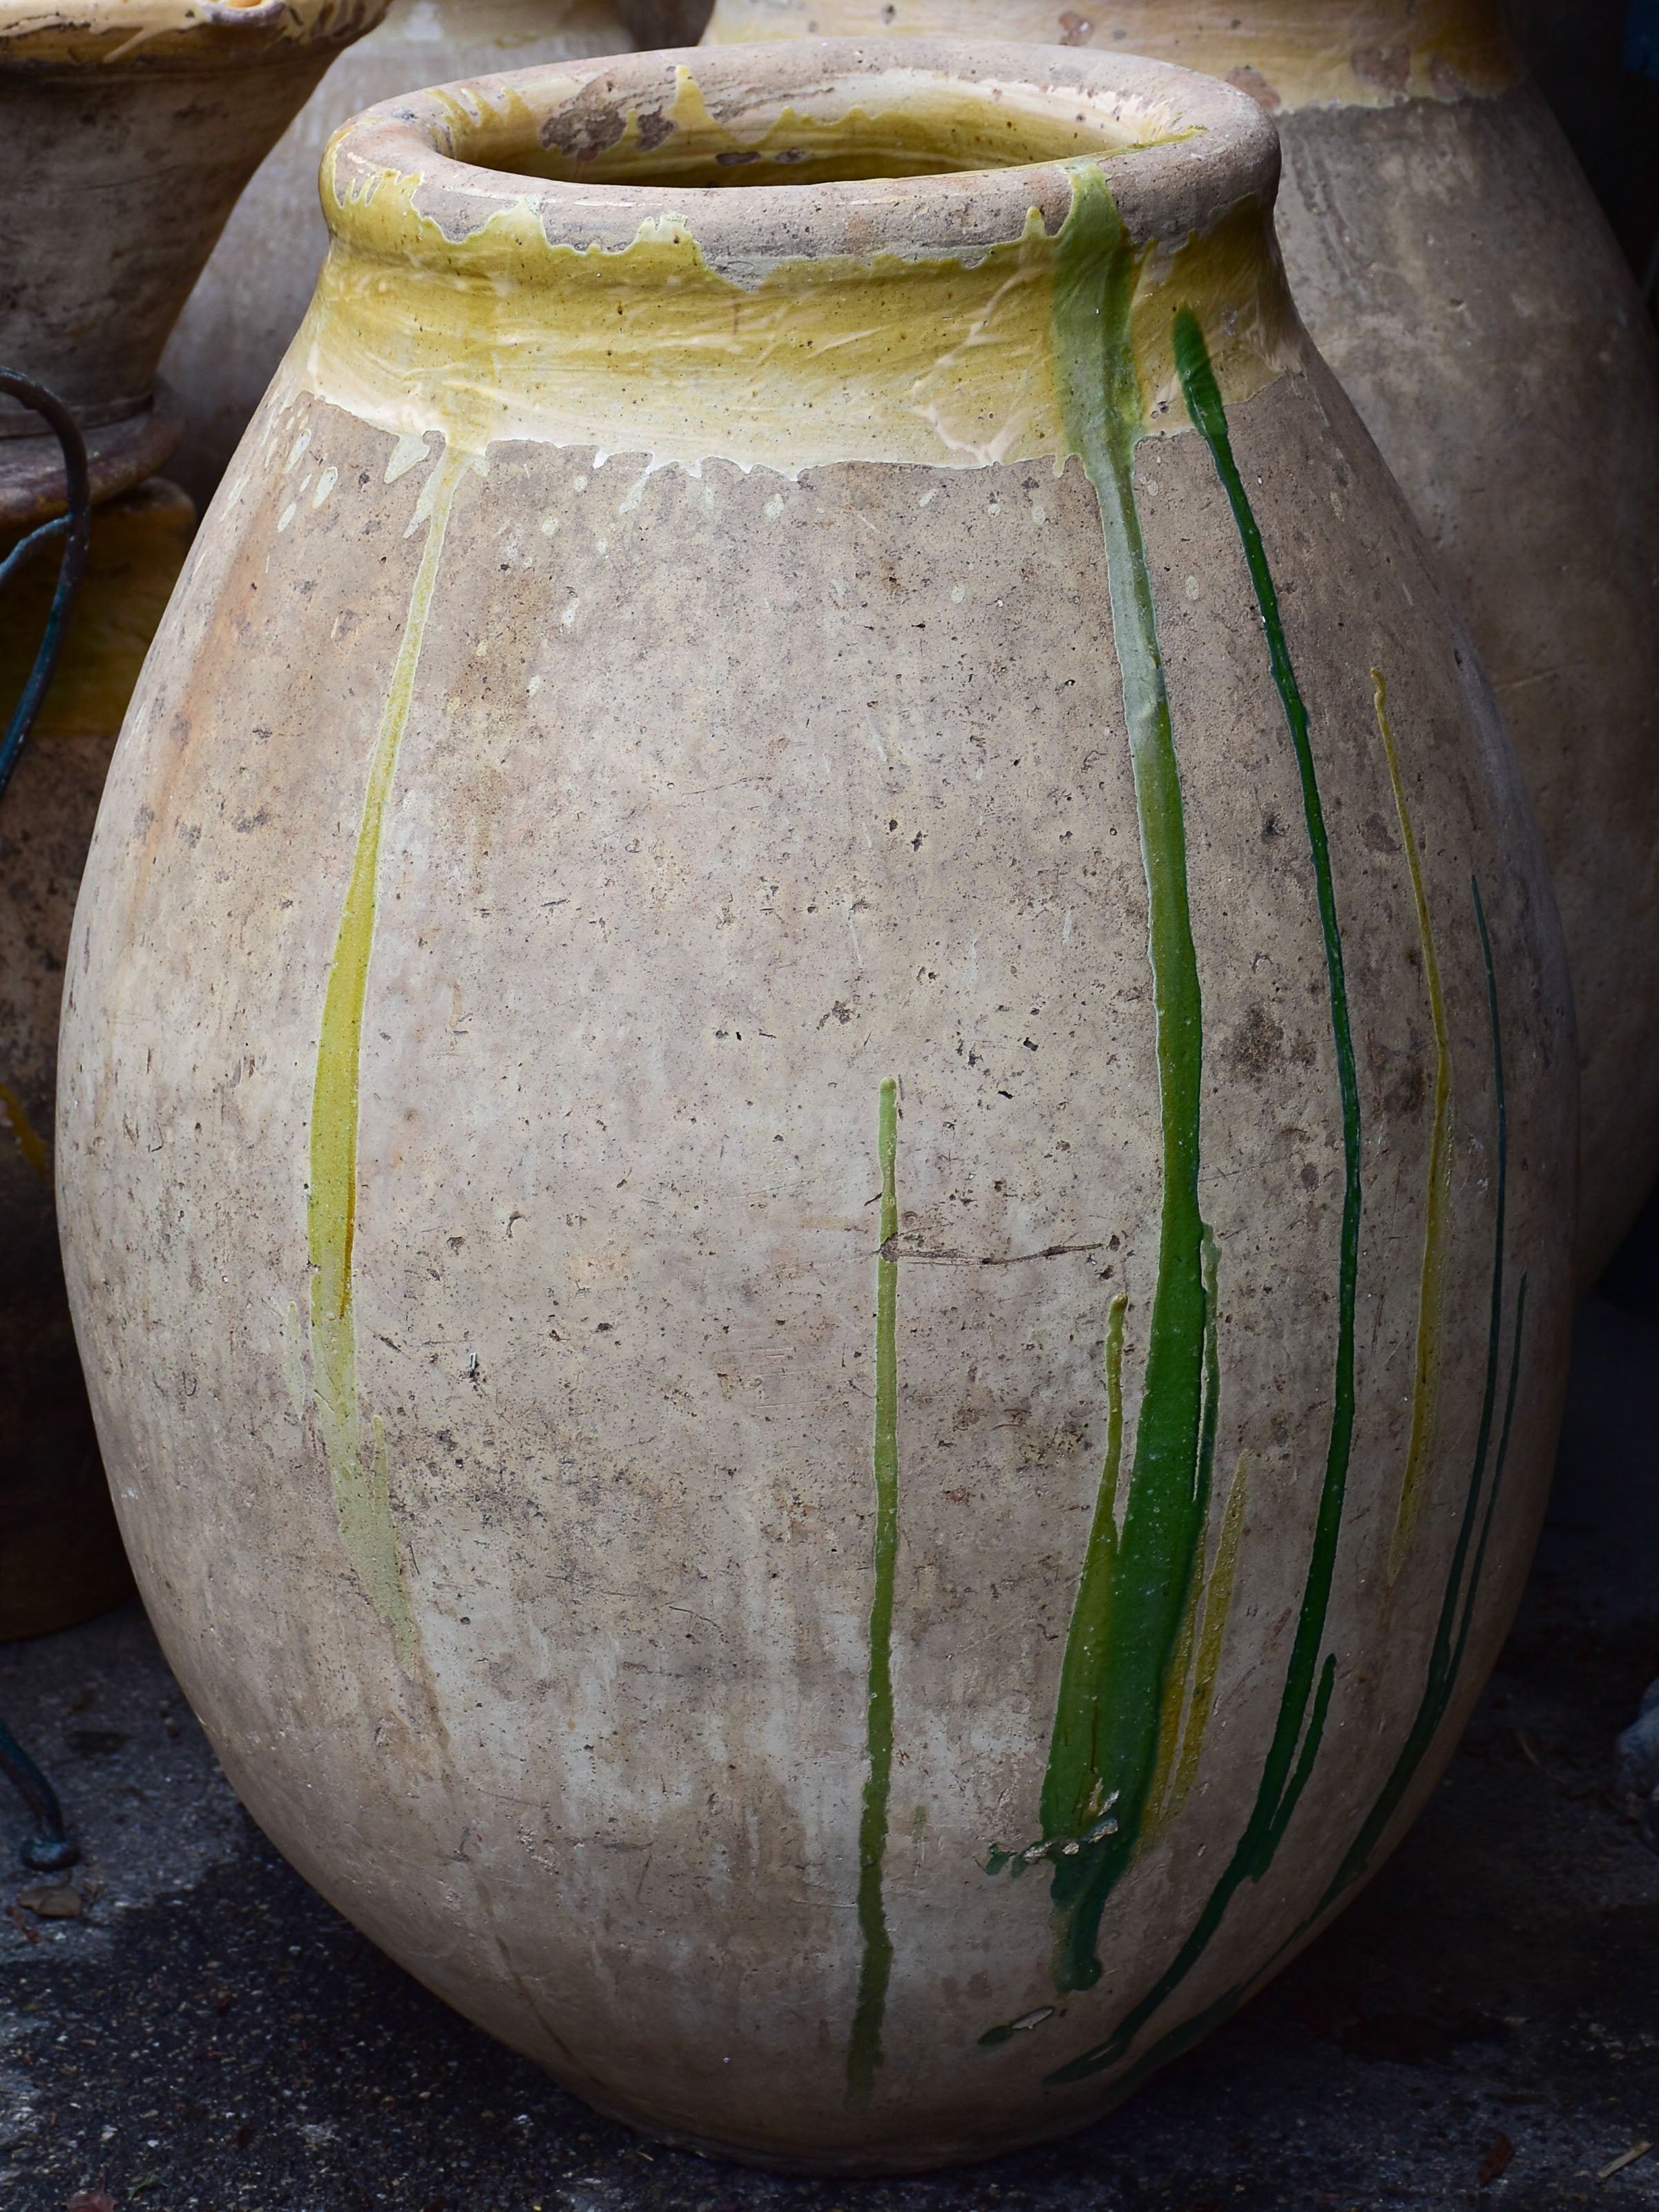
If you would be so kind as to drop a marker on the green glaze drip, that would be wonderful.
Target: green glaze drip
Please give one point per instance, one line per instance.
(1438, 1197)
(361, 1491)
(864, 2052)
(1133, 1596)
(1445, 1663)
(1305, 1701)
(1456, 1607)
(1083, 1659)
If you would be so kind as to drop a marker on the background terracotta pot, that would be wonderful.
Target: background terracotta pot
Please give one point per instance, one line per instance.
(1455, 270)
(130, 126)
(817, 1097)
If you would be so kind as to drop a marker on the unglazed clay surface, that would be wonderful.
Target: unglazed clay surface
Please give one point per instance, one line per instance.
(1453, 269)
(813, 1123)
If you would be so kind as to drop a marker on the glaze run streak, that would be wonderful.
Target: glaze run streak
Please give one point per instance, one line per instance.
(1452, 1630)
(1438, 1197)
(1306, 1696)
(1457, 1609)
(1138, 1577)
(362, 1493)
(864, 2047)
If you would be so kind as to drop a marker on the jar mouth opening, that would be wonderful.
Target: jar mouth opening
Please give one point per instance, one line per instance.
(838, 129)
(839, 135)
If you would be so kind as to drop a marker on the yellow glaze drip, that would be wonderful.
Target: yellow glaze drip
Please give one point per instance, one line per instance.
(361, 1491)
(1181, 1746)
(651, 349)
(1287, 53)
(1217, 1605)
(1160, 1811)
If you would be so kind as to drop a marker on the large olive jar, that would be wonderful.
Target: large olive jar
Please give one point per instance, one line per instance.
(817, 1103)
(1447, 254)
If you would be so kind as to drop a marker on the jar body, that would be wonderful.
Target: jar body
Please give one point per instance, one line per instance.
(129, 131)
(655, 924)
(1455, 269)
(253, 293)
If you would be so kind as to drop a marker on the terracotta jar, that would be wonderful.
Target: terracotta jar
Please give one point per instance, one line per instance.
(1455, 271)
(254, 291)
(130, 125)
(817, 1107)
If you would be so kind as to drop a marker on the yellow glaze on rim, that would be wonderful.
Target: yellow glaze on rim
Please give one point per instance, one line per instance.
(195, 34)
(674, 345)
(1286, 53)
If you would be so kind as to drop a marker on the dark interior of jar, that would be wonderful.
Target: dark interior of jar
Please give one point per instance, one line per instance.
(941, 127)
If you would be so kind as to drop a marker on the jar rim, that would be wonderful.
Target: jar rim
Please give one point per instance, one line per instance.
(151, 36)
(412, 175)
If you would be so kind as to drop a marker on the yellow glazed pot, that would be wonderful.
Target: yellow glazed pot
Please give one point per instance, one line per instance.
(816, 1094)
(1453, 269)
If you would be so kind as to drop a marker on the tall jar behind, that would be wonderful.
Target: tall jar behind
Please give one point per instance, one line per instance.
(1455, 271)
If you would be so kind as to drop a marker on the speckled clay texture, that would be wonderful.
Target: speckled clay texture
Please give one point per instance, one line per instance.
(824, 1254)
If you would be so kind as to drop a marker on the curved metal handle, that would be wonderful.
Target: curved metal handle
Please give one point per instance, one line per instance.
(73, 528)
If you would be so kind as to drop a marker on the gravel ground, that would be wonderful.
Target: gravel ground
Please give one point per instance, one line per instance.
(1482, 2027)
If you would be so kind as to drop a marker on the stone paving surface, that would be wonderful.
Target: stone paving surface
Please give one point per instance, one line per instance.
(1481, 2028)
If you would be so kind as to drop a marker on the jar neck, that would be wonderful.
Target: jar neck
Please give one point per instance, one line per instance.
(1288, 54)
(936, 361)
